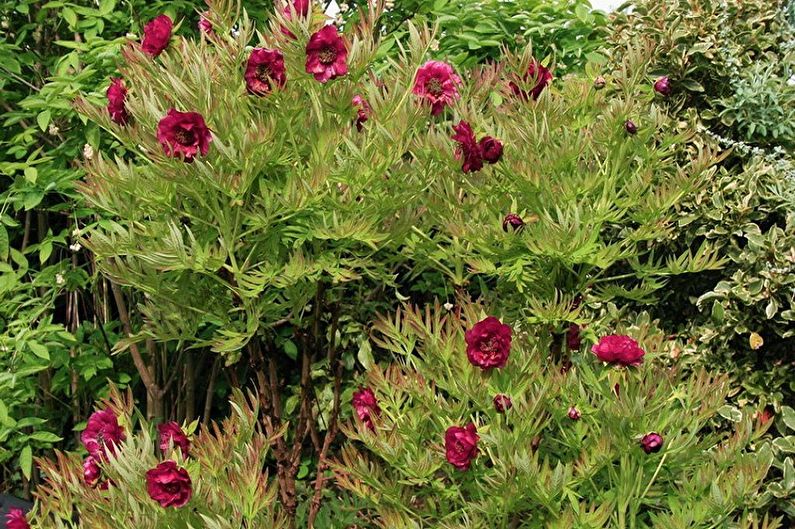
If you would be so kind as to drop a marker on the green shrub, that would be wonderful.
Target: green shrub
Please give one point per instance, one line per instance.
(724, 59)
(477, 31)
(540, 463)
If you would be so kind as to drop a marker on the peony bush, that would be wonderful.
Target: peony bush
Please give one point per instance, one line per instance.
(137, 476)
(617, 437)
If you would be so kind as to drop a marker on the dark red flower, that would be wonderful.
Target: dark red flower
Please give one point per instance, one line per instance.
(663, 86)
(15, 519)
(172, 432)
(169, 485)
(264, 69)
(117, 97)
(461, 445)
(491, 149)
(437, 83)
(326, 55)
(574, 414)
(537, 74)
(102, 431)
(502, 403)
(573, 339)
(366, 406)
(300, 7)
(362, 111)
(91, 471)
(205, 26)
(488, 343)
(619, 349)
(468, 147)
(157, 33)
(651, 442)
(512, 222)
(184, 134)
(765, 415)
(630, 127)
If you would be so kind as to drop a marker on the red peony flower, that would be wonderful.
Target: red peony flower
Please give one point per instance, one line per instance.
(184, 134)
(488, 343)
(362, 112)
(264, 68)
(502, 403)
(117, 97)
(102, 431)
(301, 7)
(461, 445)
(366, 406)
(468, 147)
(326, 55)
(15, 519)
(205, 26)
(539, 75)
(157, 33)
(169, 485)
(574, 414)
(172, 432)
(512, 222)
(619, 349)
(663, 86)
(491, 149)
(573, 339)
(91, 471)
(651, 442)
(437, 83)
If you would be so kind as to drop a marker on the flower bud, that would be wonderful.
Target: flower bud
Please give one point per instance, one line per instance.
(574, 414)
(663, 86)
(651, 442)
(599, 82)
(513, 222)
(630, 127)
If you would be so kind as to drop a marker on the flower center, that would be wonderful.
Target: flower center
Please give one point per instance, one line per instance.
(185, 137)
(490, 347)
(171, 488)
(327, 55)
(263, 73)
(434, 86)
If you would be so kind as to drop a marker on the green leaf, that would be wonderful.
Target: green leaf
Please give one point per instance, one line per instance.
(45, 437)
(290, 349)
(26, 461)
(39, 350)
(43, 119)
(788, 414)
(731, 413)
(3, 243)
(70, 16)
(31, 174)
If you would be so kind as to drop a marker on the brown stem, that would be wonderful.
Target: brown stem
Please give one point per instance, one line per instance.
(208, 399)
(153, 391)
(331, 432)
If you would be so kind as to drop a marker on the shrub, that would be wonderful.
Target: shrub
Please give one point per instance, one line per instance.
(220, 483)
(723, 58)
(478, 31)
(586, 445)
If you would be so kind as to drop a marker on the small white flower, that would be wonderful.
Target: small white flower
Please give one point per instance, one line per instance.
(75, 247)
(88, 151)
(434, 45)
(344, 7)
(53, 129)
(448, 306)
(59, 280)
(791, 80)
